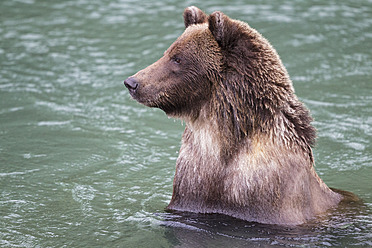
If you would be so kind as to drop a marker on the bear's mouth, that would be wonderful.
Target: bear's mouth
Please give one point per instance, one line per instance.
(159, 100)
(145, 100)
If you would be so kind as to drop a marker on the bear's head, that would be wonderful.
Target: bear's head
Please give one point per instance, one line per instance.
(229, 70)
(181, 81)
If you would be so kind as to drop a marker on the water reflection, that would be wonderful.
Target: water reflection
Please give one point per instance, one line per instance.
(336, 228)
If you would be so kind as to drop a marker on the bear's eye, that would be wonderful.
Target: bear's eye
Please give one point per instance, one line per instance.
(176, 60)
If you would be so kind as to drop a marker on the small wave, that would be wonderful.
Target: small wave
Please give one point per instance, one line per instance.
(15, 173)
(53, 123)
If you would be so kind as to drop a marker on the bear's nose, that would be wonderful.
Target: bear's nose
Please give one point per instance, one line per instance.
(131, 83)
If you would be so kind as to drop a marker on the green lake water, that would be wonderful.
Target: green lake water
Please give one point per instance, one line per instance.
(84, 165)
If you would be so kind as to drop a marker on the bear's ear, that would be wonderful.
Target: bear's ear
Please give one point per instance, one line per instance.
(225, 30)
(193, 15)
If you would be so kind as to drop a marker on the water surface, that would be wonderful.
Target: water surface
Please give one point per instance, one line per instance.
(83, 165)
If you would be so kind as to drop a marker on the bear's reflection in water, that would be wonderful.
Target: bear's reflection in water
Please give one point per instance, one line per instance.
(334, 228)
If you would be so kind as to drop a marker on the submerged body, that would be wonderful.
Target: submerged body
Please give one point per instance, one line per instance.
(246, 150)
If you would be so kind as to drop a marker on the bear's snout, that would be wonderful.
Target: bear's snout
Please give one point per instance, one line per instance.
(132, 84)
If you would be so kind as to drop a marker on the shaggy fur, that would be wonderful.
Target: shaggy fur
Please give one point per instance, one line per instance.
(246, 150)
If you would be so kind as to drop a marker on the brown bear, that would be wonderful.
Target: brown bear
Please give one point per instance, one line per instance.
(246, 149)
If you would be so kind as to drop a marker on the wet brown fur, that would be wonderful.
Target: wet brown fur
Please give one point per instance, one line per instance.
(246, 150)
